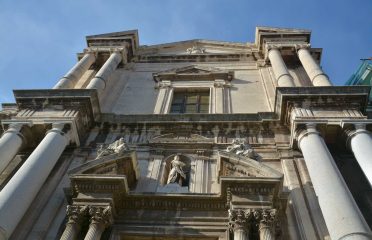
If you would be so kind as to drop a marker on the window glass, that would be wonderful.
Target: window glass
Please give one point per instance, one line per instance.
(190, 102)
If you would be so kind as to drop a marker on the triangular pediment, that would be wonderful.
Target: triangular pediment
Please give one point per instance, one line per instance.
(233, 165)
(120, 168)
(197, 47)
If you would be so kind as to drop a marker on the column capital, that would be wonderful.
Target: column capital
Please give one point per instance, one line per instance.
(303, 132)
(91, 51)
(240, 219)
(101, 215)
(302, 46)
(266, 217)
(76, 213)
(351, 132)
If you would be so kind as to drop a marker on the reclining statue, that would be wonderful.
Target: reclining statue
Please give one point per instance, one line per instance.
(242, 148)
(118, 146)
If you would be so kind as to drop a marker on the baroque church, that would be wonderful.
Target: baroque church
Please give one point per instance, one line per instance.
(191, 140)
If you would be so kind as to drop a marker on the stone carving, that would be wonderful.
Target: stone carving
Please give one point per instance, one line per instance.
(265, 216)
(195, 50)
(101, 215)
(240, 219)
(176, 174)
(75, 214)
(119, 146)
(246, 218)
(242, 148)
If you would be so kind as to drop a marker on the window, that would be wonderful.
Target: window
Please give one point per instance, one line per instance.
(190, 102)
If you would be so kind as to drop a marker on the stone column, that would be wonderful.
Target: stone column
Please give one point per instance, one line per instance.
(239, 222)
(266, 223)
(360, 142)
(101, 78)
(75, 216)
(10, 143)
(341, 214)
(101, 217)
(18, 194)
(283, 78)
(71, 78)
(315, 73)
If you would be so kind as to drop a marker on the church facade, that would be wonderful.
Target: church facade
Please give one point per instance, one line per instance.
(189, 140)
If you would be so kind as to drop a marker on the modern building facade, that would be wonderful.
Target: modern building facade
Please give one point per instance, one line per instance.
(363, 76)
(189, 140)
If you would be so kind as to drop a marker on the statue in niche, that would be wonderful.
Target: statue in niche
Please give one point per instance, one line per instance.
(176, 174)
(118, 146)
(242, 148)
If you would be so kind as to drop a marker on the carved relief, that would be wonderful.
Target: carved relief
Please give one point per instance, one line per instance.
(230, 169)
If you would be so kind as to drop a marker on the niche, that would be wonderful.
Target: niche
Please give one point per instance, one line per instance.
(176, 170)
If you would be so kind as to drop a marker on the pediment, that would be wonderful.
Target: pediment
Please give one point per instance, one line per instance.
(197, 47)
(232, 165)
(193, 72)
(107, 174)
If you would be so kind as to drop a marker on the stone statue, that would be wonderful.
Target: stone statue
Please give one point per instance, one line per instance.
(195, 50)
(242, 148)
(119, 146)
(176, 174)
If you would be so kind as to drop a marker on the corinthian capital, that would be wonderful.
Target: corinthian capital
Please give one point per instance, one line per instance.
(76, 214)
(267, 217)
(101, 215)
(240, 219)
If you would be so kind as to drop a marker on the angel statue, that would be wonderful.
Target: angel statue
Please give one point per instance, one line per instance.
(119, 146)
(176, 174)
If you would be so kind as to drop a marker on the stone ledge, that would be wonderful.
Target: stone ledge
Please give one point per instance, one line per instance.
(186, 118)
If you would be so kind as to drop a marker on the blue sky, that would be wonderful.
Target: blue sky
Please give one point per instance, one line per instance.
(39, 39)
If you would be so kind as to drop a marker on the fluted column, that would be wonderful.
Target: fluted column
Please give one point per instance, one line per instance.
(239, 223)
(360, 142)
(18, 194)
(71, 78)
(75, 216)
(266, 219)
(100, 80)
(10, 143)
(341, 214)
(101, 217)
(283, 77)
(313, 70)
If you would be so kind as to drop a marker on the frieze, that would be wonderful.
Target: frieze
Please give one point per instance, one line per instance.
(176, 203)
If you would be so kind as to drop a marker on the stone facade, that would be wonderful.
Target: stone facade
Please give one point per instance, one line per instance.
(277, 152)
